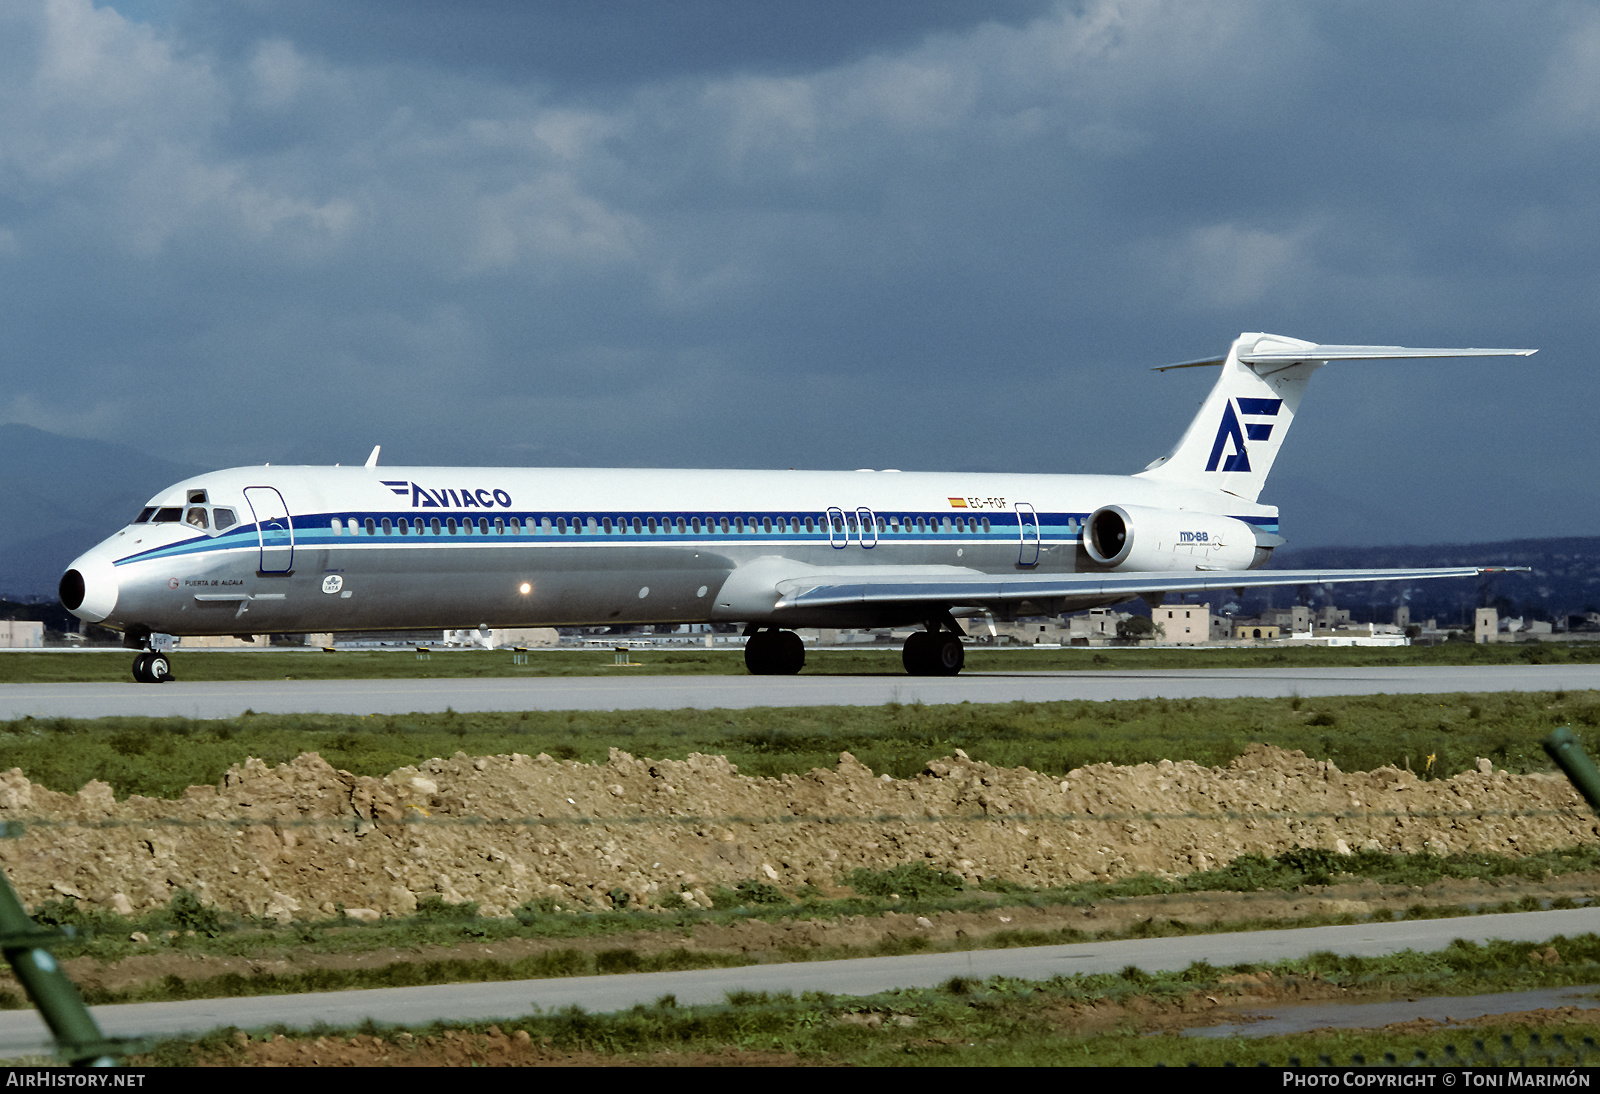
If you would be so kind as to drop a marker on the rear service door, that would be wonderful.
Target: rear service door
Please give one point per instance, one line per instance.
(1028, 530)
(274, 527)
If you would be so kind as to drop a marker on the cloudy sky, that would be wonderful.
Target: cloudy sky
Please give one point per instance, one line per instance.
(927, 234)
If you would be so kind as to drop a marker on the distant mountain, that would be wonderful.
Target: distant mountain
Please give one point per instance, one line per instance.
(60, 496)
(1564, 580)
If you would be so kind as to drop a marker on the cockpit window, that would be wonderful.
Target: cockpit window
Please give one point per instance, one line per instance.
(145, 514)
(197, 497)
(225, 518)
(168, 515)
(197, 517)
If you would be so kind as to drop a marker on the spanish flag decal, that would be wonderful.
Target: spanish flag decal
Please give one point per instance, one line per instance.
(958, 503)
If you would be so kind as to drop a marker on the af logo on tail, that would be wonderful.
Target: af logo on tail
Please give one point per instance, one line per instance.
(1230, 432)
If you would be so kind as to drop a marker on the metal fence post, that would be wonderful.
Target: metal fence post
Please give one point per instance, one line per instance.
(78, 1037)
(1564, 749)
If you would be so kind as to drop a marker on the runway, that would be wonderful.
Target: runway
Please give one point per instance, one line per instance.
(400, 696)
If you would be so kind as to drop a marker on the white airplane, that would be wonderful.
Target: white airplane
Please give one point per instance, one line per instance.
(256, 550)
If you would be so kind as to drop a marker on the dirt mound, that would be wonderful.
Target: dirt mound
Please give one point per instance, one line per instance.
(299, 839)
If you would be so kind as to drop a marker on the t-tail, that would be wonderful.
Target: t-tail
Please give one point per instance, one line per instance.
(1233, 441)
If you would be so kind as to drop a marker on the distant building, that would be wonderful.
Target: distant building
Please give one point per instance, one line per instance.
(1183, 624)
(1287, 620)
(1330, 618)
(1486, 625)
(21, 634)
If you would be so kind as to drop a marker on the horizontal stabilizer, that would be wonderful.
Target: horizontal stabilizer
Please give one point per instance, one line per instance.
(974, 589)
(1268, 351)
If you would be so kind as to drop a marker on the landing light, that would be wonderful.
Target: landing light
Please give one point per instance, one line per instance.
(525, 588)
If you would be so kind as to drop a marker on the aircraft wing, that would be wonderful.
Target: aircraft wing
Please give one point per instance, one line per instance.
(894, 585)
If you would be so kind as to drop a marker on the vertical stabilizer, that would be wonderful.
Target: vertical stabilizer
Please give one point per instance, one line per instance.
(1233, 441)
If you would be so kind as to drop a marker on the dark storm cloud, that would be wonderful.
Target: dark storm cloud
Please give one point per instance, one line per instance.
(583, 44)
(929, 236)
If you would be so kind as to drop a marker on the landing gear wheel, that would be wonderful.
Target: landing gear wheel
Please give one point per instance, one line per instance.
(152, 668)
(791, 653)
(758, 654)
(917, 656)
(948, 655)
(929, 653)
(774, 653)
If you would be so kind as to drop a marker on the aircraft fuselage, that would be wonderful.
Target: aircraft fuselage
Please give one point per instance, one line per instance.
(356, 548)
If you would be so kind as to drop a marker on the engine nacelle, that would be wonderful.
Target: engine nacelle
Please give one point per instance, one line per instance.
(1134, 538)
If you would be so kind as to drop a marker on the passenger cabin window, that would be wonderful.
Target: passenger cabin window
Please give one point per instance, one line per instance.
(372, 527)
(405, 527)
(561, 526)
(483, 526)
(434, 524)
(387, 530)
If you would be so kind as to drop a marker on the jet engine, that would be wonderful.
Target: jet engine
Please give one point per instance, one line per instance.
(1135, 538)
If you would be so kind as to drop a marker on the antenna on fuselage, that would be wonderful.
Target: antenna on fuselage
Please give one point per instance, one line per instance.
(372, 460)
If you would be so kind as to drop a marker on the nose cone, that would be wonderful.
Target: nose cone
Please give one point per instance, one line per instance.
(89, 589)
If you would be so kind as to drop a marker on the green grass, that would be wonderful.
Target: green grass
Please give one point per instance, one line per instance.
(160, 757)
(1004, 1021)
(187, 926)
(114, 665)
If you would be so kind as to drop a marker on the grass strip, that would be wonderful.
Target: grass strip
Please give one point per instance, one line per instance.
(1436, 736)
(113, 665)
(1010, 1021)
(187, 926)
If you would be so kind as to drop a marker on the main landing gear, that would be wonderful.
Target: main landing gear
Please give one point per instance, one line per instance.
(935, 652)
(773, 652)
(153, 666)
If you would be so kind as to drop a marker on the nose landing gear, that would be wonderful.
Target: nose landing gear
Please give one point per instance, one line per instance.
(152, 666)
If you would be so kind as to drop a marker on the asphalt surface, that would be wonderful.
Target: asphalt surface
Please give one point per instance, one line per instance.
(22, 1033)
(624, 692)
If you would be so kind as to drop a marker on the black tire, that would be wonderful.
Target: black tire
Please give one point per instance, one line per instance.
(947, 655)
(759, 653)
(141, 672)
(789, 653)
(917, 655)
